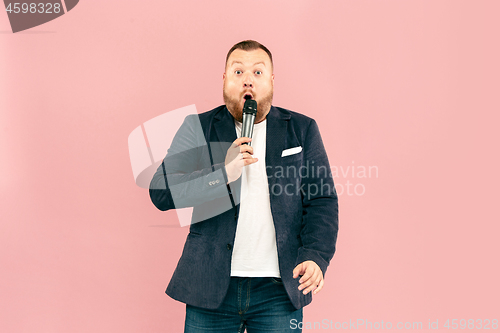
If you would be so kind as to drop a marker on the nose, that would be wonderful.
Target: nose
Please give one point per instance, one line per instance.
(248, 81)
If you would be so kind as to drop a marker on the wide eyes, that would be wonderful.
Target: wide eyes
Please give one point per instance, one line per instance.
(238, 72)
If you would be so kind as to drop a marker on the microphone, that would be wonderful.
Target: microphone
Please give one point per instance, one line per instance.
(249, 112)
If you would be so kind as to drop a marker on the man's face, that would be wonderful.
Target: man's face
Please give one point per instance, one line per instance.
(248, 73)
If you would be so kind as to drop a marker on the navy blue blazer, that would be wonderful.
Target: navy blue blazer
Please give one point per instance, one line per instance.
(304, 202)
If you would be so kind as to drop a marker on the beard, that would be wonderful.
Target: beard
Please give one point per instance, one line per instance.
(235, 105)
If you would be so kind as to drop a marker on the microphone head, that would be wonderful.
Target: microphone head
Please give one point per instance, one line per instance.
(250, 107)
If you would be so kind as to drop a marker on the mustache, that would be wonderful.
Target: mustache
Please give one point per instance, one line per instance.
(235, 106)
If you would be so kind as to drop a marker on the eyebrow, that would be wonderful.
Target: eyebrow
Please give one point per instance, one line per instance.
(239, 62)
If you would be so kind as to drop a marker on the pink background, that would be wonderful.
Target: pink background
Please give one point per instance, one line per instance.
(410, 87)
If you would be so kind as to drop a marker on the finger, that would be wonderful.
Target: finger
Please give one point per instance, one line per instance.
(241, 140)
(320, 286)
(297, 271)
(307, 290)
(309, 272)
(246, 149)
(310, 288)
(249, 161)
(310, 277)
(246, 155)
(311, 284)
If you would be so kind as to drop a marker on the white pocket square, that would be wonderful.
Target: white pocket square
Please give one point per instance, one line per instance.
(291, 151)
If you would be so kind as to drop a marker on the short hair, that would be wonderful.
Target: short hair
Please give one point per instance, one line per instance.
(249, 45)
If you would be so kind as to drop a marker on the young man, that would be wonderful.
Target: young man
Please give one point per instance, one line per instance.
(265, 215)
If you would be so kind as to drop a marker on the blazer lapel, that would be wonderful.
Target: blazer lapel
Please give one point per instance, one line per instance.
(277, 124)
(225, 135)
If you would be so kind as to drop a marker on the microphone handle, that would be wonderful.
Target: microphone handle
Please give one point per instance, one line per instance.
(247, 126)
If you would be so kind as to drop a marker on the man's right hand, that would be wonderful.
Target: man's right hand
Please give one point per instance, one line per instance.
(238, 155)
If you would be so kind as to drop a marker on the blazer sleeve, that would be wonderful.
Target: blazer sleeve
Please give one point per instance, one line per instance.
(319, 226)
(186, 177)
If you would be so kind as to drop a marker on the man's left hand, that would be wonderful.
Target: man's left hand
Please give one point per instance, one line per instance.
(312, 277)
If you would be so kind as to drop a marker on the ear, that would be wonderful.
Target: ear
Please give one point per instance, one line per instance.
(223, 76)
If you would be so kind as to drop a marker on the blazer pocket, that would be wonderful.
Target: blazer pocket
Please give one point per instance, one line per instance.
(291, 151)
(292, 158)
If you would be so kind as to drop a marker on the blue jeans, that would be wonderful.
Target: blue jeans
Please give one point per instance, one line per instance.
(257, 304)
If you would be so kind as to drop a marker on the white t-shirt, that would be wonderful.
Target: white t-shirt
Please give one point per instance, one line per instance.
(255, 253)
